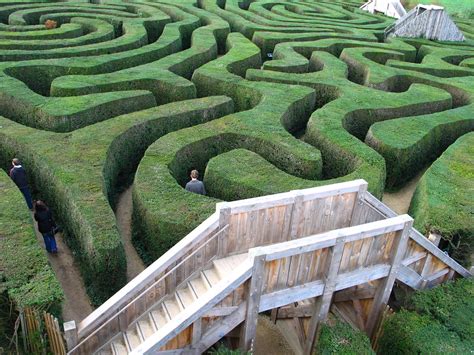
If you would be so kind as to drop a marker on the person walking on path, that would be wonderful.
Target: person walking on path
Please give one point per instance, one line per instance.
(18, 175)
(195, 185)
(46, 225)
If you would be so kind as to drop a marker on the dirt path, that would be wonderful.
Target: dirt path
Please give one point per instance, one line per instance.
(400, 200)
(76, 305)
(123, 215)
(269, 339)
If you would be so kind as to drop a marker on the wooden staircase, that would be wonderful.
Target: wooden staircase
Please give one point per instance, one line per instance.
(335, 245)
(187, 294)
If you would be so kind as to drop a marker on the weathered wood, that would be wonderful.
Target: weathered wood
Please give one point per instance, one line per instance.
(220, 311)
(359, 207)
(354, 294)
(323, 302)
(292, 312)
(385, 287)
(249, 328)
(70, 333)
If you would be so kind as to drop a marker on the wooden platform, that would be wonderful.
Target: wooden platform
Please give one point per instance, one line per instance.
(296, 253)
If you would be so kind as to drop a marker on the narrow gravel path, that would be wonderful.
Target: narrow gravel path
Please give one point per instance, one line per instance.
(400, 200)
(123, 215)
(76, 305)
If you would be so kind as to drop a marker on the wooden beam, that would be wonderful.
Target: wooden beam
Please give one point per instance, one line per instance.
(328, 239)
(220, 311)
(292, 312)
(249, 328)
(314, 289)
(197, 329)
(409, 277)
(323, 302)
(224, 216)
(354, 294)
(359, 314)
(385, 288)
(296, 216)
(359, 205)
(418, 237)
(414, 258)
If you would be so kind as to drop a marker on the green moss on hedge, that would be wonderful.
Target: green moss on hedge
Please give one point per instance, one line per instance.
(451, 304)
(341, 338)
(443, 199)
(25, 273)
(411, 333)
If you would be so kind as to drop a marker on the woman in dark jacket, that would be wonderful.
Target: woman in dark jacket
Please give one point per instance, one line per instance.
(45, 225)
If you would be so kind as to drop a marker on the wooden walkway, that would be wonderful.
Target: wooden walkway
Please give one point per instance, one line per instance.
(333, 245)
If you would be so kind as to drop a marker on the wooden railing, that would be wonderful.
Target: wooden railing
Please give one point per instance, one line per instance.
(302, 244)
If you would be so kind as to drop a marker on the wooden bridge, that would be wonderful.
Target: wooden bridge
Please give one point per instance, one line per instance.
(332, 245)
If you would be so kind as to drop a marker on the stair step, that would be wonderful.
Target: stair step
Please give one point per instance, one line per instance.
(132, 338)
(199, 286)
(172, 307)
(186, 296)
(158, 315)
(211, 276)
(118, 347)
(145, 327)
(226, 266)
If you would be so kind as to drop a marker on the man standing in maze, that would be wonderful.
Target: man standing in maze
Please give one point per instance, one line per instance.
(195, 185)
(18, 175)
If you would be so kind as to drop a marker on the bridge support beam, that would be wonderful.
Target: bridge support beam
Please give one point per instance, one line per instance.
(323, 303)
(254, 292)
(384, 289)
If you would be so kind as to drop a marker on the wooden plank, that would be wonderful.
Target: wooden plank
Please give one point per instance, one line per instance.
(194, 311)
(354, 294)
(220, 311)
(323, 303)
(359, 207)
(413, 258)
(249, 328)
(328, 239)
(419, 238)
(385, 287)
(297, 215)
(146, 277)
(409, 277)
(222, 239)
(197, 331)
(292, 312)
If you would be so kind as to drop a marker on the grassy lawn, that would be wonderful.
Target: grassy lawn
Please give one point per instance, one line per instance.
(459, 8)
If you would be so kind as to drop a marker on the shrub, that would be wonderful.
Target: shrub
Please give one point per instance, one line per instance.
(341, 338)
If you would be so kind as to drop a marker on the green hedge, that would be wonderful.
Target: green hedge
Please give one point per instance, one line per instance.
(411, 333)
(25, 273)
(340, 338)
(441, 321)
(443, 199)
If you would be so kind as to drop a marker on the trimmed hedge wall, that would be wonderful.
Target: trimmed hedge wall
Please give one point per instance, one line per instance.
(443, 199)
(441, 321)
(340, 338)
(25, 273)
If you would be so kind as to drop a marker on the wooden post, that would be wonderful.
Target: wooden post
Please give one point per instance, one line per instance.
(253, 301)
(197, 331)
(224, 215)
(359, 206)
(323, 302)
(385, 288)
(296, 214)
(70, 333)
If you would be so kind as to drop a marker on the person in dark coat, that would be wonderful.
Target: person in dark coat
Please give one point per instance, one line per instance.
(195, 185)
(46, 225)
(18, 175)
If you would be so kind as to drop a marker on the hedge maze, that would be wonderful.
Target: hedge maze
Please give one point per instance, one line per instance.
(261, 97)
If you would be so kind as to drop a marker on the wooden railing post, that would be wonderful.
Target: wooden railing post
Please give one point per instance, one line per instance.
(323, 302)
(70, 333)
(359, 206)
(385, 287)
(254, 293)
(224, 216)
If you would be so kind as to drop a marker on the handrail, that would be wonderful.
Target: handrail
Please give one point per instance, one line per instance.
(119, 312)
(149, 274)
(241, 274)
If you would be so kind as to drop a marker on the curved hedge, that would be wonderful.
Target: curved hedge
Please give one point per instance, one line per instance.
(442, 201)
